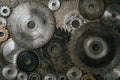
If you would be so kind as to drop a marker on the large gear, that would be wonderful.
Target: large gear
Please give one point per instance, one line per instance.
(68, 17)
(91, 9)
(4, 34)
(112, 14)
(33, 27)
(5, 11)
(94, 48)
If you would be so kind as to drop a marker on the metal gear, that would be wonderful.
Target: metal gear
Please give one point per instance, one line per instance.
(3, 22)
(88, 77)
(27, 60)
(5, 11)
(9, 72)
(106, 48)
(4, 34)
(54, 5)
(50, 77)
(68, 17)
(34, 76)
(33, 27)
(112, 14)
(74, 74)
(91, 9)
(57, 50)
(22, 76)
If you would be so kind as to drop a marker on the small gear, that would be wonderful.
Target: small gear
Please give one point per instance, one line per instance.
(57, 50)
(68, 17)
(74, 74)
(5, 11)
(22, 76)
(3, 22)
(91, 9)
(54, 5)
(9, 72)
(50, 77)
(27, 60)
(112, 14)
(4, 34)
(33, 27)
(87, 77)
(94, 48)
(34, 76)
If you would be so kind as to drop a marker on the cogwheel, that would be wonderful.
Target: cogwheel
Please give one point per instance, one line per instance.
(112, 14)
(34, 76)
(27, 60)
(9, 72)
(3, 22)
(57, 50)
(5, 11)
(50, 77)
(68, 17)
(32, 27)
(54, 5)
(87, 77)
(113, 75)
(94, 48)
(74, 73)
(22, 76)
(91, 9)
(4, 34)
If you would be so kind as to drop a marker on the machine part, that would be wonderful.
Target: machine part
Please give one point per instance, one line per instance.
(34, 76)
(57, 50)
(4, 34)
(7, 49)
(74, 74)
(96, 36)
(22, 76)
(113, 75)
(88, 77)
(112, 15)
(54, 5)
(33, 27)
(3, 22)
(91, 9)
(68, 17)
(50, 77)
(62, 77)
(28, 61)
(9, 72)
(5, 11)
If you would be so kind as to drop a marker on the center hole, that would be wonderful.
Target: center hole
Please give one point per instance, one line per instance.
(75, 24)
(55, 49)
(31, 25)
(91, 6)
(10, 72)
(53, 4)
(113, 15)
(22, 76)
(1, 34)
(28, 61)
(5, 11)
(96, 47)
(49, 78)
(74, 74)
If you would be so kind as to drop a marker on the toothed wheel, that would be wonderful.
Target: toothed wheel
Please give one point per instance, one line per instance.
(33, 26)
(94, 48)
(5, 11)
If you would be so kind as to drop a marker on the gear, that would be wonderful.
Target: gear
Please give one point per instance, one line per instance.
(54, 5)
(4, 34)
(5, 11)
(88, 77)
(3, 22)
(22, 76)
(33, 27)
(94, 48)
(112, 14)
(27, 60)
(9, 72)
(74, 74)
(50, 77)
(34, 76)
(57, 49)
(91, 9)
(68, 17)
